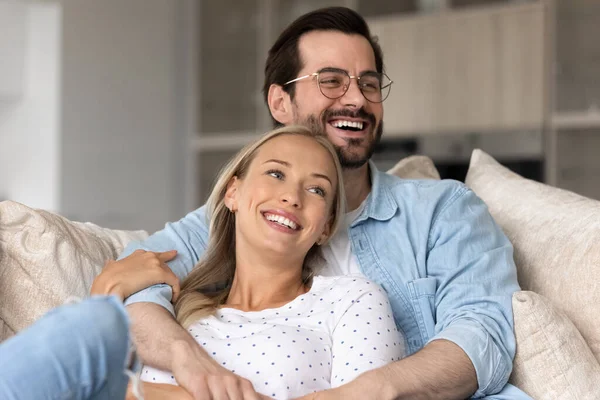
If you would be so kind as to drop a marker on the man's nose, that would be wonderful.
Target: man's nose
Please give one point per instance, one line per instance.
(353, 96)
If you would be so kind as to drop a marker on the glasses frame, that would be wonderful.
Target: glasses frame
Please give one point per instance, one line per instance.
(316, 74)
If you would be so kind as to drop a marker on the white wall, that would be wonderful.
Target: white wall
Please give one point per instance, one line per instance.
(119, 133)
(29, 125)
(13, 15)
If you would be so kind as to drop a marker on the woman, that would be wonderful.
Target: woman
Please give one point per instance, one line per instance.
(253, 302)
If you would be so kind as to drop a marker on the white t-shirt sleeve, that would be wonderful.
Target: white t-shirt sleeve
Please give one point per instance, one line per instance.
(365, 336)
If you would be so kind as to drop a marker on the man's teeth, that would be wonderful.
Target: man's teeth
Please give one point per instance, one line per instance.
(281, 221)
(352, 124)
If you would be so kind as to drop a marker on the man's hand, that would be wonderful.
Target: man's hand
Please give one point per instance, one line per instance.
(440, 370)
(205, 379)
(138, 271)
(172, 348)
(365, 386)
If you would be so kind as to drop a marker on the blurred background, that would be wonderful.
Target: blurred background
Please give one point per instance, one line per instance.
(121, 112)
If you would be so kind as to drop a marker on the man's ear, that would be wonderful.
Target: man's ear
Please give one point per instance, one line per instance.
(231, 194)
(280, 104)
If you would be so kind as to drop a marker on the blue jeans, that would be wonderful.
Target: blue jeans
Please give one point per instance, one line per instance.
(76, 351)
(509, 392)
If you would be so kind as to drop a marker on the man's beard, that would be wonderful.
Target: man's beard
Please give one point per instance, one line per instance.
(349, 159)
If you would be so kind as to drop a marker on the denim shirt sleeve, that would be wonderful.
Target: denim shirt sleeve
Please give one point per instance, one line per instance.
(189, 236)
(472, 261)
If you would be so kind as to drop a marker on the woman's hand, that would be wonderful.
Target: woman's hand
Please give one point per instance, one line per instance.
(135, 272)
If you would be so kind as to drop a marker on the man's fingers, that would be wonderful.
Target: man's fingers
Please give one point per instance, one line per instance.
(249, 392)
(165, 256)
(201, 392)
(217, 389)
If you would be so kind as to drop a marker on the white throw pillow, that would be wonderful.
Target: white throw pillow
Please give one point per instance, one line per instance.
(45, 259)
(553, 361)
(415, 167)
(556, 236)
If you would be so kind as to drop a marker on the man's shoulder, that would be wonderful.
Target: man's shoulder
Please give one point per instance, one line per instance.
(430, 189)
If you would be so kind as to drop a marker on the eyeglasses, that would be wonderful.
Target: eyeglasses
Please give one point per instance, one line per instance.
(334, 83)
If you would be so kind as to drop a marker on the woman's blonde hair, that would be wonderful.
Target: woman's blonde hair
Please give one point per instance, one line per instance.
(208, 285)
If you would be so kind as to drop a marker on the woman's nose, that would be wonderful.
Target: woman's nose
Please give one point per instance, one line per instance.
(291, 197)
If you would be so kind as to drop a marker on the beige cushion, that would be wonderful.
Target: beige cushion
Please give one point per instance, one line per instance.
(415, 167)
(45, 258)
(5, 331)
(553, 361)
(556, 236)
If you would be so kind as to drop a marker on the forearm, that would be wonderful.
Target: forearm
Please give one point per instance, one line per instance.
(441, 370)
(155, 333)
(159, 391)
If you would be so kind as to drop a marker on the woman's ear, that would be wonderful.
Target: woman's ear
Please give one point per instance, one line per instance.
(231, 194)
(326, 232)
(280, 104)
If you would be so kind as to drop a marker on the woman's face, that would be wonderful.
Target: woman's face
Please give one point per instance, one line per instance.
(285, 201)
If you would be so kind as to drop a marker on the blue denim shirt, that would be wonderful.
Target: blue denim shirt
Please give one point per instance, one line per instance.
(433, 246)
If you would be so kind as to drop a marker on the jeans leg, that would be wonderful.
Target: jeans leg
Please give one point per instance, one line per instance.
(509, 392)
(76, 351)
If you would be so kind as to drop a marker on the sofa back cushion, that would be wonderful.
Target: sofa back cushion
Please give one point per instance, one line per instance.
(556, 237)
(45, 259)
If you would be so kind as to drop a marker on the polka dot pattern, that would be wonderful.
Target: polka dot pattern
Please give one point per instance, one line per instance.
(341, 328)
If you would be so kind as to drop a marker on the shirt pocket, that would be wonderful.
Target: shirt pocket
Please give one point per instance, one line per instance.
(422, 298)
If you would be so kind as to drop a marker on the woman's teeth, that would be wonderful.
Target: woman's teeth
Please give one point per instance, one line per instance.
(281, 221)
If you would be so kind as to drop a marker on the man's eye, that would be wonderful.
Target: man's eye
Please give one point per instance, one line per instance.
(331, 82)
(370, 86)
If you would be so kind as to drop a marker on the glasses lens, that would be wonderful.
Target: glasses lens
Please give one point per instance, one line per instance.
(375, 87)
(333, 84)
(370, 85)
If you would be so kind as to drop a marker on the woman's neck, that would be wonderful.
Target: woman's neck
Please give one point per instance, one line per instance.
(259, 284)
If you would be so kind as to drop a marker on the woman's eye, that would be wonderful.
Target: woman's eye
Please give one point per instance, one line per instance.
(318, 191)
(275, 174)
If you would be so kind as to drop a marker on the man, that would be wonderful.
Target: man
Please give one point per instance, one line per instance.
(445, 264)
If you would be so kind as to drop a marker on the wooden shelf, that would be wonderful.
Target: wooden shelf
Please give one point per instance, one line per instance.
(222, 141)
(576, 119)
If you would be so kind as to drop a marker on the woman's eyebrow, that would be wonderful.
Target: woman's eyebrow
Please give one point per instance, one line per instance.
(322, 176)
(287, 164)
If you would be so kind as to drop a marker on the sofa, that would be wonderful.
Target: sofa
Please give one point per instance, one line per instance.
(45, 259)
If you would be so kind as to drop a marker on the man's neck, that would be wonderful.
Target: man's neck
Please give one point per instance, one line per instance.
(357, 183)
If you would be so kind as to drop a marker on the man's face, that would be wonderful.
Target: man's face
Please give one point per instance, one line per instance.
(352, 53)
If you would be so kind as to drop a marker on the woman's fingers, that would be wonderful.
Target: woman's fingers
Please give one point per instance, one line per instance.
(165, 256)
(172, 280)
(135, 272)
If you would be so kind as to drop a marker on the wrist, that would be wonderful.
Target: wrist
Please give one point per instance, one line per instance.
(184, 353)
(387, 383)
(106, 288)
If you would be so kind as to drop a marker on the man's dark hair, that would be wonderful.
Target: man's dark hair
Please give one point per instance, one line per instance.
(283, 62)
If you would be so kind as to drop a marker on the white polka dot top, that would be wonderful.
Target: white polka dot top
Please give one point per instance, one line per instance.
(322, 339)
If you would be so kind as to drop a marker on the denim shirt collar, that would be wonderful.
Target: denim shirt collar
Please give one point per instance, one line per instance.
(380, 203)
